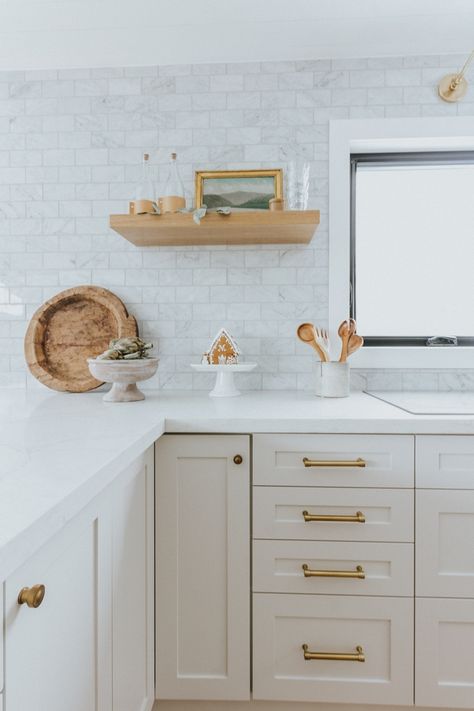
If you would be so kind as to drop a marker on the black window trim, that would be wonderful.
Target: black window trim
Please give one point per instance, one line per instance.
(400, 158)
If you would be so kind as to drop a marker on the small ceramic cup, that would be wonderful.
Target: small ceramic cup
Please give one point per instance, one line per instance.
(332, 379)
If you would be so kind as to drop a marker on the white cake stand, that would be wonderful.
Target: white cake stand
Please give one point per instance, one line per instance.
(224, 386)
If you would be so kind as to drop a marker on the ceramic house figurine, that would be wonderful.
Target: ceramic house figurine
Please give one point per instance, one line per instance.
(223, 350)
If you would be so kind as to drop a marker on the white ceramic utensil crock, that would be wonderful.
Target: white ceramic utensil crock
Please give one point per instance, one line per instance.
(332, 379)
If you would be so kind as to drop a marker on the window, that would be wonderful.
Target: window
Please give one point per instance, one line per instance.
(412, 247)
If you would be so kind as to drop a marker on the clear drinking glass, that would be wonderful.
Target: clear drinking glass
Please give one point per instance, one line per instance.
(297, 183)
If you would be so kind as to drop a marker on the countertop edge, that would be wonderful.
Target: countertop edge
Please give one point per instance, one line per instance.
(17, 550)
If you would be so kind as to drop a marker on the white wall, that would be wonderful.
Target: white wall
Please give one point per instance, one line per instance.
(70, 147)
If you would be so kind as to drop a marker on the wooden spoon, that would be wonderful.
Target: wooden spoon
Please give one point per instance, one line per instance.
(345, 331)
(355, 342)
(306, 333)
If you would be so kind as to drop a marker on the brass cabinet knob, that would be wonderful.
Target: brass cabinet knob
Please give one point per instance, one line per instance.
(33, 597)
(238, 459)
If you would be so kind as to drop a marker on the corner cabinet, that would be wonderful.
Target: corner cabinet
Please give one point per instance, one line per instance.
(56, 649)
(82, 637)
(203, 567)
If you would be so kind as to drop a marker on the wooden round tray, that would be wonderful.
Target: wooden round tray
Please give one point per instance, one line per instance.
(69, 328)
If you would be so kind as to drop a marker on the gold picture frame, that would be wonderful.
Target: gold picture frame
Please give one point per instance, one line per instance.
(243, 184)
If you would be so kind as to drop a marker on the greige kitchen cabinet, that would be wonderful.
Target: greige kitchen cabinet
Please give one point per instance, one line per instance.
(333, 532)
(203, 567)
(58, 652)
(445, 462)
(365, 646)
(445, 543)
(349, 601)
(444, 633)
(444, 653)
(88, 643)
(338, 460)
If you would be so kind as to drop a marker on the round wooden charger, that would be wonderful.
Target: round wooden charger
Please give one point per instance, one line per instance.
(69, 328)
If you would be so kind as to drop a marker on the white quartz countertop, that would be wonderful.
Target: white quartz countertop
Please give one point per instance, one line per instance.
(58, 451)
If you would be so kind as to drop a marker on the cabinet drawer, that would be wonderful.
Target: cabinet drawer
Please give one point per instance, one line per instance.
(444, 647)
(445, 544)
(382, 627)
(389, 460)
(387, 568)
(278, 513)
(445, 462)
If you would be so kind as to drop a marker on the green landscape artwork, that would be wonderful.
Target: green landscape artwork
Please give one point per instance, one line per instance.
(238, 193)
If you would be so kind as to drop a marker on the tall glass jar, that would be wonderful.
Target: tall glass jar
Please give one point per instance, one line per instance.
(173, 198)
(297, 173)
(297, 183)
(144, 189)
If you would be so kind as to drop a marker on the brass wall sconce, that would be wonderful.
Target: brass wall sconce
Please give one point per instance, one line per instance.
(453, 87)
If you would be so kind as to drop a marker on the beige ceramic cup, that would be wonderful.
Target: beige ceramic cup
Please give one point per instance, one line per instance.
(171, 203)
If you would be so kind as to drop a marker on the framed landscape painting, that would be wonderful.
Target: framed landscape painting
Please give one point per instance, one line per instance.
(238, 189)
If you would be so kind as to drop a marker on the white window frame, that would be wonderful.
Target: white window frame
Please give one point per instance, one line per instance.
(377, 136)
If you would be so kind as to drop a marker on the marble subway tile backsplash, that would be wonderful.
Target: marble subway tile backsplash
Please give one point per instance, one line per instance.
(71, 143)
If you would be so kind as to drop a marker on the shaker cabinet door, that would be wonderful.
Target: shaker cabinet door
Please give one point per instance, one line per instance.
(445, 544)
(444, 643)
(56, 653)
(445, 462)
(202, 567)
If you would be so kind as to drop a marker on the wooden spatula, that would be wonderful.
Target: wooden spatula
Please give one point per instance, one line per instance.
(355, 342)
(345, 331)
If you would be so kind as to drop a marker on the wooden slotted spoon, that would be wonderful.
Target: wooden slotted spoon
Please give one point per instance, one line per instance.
(306, 333)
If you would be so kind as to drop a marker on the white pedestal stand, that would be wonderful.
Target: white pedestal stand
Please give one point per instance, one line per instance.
(224, 385)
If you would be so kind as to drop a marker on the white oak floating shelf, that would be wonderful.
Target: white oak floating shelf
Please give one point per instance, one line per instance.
(179, 229)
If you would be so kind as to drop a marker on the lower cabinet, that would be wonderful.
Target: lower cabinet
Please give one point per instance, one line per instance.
(79, 613)
(445, 544)
(56, 648)
(333, 649)
(202, 567)
(444, 653)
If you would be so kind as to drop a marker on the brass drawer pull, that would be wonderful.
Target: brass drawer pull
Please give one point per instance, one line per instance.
(359, 656)
(357, 573)
(33, 597)
(357, 518)
(334, 462)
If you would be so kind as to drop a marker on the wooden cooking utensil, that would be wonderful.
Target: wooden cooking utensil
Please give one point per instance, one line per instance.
(321, 337)
(355, 342)
(345, 331)
(306, 333)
